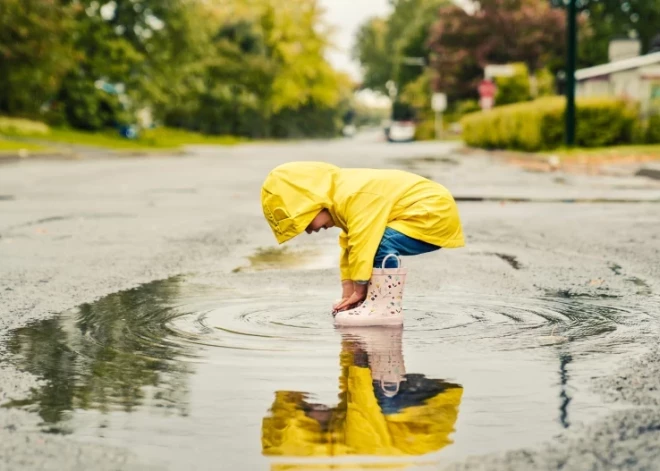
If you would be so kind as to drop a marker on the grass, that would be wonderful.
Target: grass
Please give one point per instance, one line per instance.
(149, 139)
(156, 139)
(650, 151)
(12, 147)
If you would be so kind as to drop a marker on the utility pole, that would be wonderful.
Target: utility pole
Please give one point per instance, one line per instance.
(571, 54)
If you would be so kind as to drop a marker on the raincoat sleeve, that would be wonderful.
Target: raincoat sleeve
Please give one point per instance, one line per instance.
(343, 257)
(366, 219)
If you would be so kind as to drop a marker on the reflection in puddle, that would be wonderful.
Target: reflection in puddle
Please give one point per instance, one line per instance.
(382, 410)
(182, 372)
(111, 354)
(282, 258)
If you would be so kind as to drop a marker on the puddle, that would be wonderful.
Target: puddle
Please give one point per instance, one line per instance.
(186, 374)
(283, 258)
(7, 198)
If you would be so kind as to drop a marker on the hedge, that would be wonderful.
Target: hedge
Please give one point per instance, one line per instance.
(539, 125)
(22, 127)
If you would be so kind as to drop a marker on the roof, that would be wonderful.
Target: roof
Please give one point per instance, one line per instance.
(618, 66)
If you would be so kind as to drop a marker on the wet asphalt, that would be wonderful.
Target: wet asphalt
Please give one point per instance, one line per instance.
(74, 231)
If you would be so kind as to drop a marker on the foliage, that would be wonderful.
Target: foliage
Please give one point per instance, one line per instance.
(515, 88)
(110, 355)
(157, 138)
(539, 125)
(373, 52)
(417, 94)
(545, 83)
(615, 18)
(220, 67)
(266, 75)
(463, 44)
(12, 147)
(22, 127)
(35, 52)
(653, 130)
(381, 44)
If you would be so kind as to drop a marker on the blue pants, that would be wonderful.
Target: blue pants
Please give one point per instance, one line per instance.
(394, 242)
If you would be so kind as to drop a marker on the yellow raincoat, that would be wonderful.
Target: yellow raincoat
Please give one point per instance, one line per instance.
(362, 202)
(357, 426)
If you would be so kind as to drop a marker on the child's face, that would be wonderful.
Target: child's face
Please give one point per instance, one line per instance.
(323, 220)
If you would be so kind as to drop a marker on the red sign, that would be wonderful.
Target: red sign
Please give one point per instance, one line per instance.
(487, 89)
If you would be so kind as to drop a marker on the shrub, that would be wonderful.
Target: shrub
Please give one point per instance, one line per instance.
(425, 130)
(653, 130)
(22, 127)
(513, 89)
(539, 125)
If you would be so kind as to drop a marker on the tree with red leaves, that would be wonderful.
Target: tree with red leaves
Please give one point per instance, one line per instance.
(498, 32)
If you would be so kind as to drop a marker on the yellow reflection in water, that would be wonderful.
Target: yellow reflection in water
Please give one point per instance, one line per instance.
(382, 411)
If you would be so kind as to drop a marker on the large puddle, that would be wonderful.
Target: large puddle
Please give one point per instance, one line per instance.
(187, 375)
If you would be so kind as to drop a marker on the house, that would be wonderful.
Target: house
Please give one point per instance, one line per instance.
(627, 75)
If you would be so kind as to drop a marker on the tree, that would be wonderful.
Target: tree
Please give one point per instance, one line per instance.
(264, 73)
(35, 52)
(464, 43)
(608, 19)
(382, 44)
(372, 52)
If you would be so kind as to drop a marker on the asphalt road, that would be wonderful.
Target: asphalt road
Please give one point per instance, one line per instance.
(74, 231)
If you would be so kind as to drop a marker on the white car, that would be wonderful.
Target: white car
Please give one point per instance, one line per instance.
(401, 131)
(349, 130)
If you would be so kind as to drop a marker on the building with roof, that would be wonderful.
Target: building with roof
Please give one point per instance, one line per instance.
(627, 75)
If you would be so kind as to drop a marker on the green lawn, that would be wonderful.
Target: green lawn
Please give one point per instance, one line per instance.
(12, 147)
(150, 139)
(613, 152)
(161, 138)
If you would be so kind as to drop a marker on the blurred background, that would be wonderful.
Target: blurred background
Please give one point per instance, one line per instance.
(164, 73)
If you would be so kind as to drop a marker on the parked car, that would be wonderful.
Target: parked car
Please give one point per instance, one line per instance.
(401, 131)
(402, 127)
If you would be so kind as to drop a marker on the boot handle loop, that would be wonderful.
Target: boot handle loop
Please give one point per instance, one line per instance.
(390, 392)
(398, 260)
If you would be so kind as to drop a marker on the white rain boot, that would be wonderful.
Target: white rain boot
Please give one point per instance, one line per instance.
(384, 302)
(384, 349)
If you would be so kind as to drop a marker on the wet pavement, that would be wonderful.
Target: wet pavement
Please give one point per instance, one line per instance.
(148, 321)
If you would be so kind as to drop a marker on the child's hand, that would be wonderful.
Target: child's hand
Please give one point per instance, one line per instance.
(347, 290)
(354, 299)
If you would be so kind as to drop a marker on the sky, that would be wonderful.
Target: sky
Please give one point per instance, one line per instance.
(346, 16)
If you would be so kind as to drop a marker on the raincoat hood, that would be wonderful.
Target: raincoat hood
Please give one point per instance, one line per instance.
(294, 193)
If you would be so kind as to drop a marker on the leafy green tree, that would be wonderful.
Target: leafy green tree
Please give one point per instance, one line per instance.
(382, 44)
(35, 52)
(373, 53)
(105, 356)
(608, 19)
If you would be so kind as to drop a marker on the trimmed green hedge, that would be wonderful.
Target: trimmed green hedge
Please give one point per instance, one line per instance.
(22, 127)
(539, 125)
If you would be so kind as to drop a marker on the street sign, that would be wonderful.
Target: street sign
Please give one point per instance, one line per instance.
(439, 102)
(496, 70)
(487, 89)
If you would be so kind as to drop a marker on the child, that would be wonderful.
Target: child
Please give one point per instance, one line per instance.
(379, 212)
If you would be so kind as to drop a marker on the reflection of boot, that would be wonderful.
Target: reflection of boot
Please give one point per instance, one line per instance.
(384, 302)
(384, 350)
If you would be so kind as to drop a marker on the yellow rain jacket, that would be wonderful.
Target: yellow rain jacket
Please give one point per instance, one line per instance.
(358, 426)
(362, 202)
